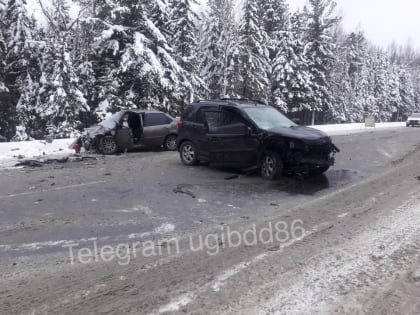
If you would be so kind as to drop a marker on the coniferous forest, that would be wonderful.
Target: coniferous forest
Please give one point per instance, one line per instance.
(69, 72)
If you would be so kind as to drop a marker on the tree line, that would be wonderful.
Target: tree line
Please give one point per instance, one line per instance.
(69, 72)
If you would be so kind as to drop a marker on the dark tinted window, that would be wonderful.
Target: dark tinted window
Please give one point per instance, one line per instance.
(155, 119)
(225, 122)
(229, 118)
(200, 117)
(212, 119)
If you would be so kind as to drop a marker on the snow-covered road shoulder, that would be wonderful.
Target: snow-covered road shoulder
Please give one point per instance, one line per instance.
(344, 129)
(12, 152)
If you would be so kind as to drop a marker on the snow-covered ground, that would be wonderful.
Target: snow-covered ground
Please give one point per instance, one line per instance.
(343, 129)
(12, 152)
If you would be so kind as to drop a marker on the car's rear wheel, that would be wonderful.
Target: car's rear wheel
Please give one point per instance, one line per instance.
(188, 153)
(170, 143)
(107, 145)
(321, 169)
(271, 166)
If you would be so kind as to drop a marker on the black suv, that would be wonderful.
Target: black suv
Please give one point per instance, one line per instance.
(249, 134)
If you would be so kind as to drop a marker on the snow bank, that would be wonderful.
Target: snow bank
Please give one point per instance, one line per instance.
(11, 151)
(343, 129)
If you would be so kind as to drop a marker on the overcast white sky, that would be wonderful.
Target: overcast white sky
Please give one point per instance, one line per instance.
(383, 21)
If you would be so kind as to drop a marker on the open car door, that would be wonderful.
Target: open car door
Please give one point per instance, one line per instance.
(124, 133)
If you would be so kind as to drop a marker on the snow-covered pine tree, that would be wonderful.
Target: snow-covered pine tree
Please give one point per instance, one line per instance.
(396, 105)
(160, 15)
(61, 100)
(291, 86)
(355, 58)
(3, 89)
(274, 15)
(137, 60)
(3, 50)
(382, 108)
(86, 28)
(406, 93)
(18, 60)
(185, 47)
(319, 51)
(275, 18)
(253, 54)
(217, 46)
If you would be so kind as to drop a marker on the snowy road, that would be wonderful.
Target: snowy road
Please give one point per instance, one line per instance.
(354, 242)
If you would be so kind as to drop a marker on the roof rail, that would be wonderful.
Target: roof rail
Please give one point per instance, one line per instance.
(259, 102)
(233, 99)
(200, 101)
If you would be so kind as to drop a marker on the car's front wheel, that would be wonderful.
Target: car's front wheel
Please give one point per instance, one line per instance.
(170, 143)
(188, 153)
(271, 166)
(107, 145)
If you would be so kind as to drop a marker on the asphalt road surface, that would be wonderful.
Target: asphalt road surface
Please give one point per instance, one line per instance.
(140, 233)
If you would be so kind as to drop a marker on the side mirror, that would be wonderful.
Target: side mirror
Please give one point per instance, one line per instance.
(296, 121)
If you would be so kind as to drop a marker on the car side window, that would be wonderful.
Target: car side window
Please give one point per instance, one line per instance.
(225, 122)
(155, 119)
(212, 119)
(228, 118)
(200, 117)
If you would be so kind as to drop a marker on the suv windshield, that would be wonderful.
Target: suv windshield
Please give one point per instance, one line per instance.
(268, 117)
(111, 121)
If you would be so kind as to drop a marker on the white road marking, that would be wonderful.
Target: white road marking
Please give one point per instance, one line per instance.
(175, 305)
(343, 215)
(28, 193)
(229, 273)
(162, 229)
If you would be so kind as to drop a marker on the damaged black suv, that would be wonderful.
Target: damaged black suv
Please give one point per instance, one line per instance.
(249, 134)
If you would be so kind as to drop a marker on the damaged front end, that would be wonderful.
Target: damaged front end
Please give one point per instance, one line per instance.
(89, 139)
(306, 155)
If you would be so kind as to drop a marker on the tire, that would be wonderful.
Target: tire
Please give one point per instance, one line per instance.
(107, 145)
(321, 169)
(188, 153)
(170, 143)
(271, 166)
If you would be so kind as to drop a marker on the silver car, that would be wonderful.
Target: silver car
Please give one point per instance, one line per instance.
(413, 120)
(131, 129)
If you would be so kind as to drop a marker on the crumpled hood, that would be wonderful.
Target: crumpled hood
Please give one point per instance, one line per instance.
(306, 134)
(95, 130)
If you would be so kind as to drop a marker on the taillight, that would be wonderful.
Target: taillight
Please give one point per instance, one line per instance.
(179, 124)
